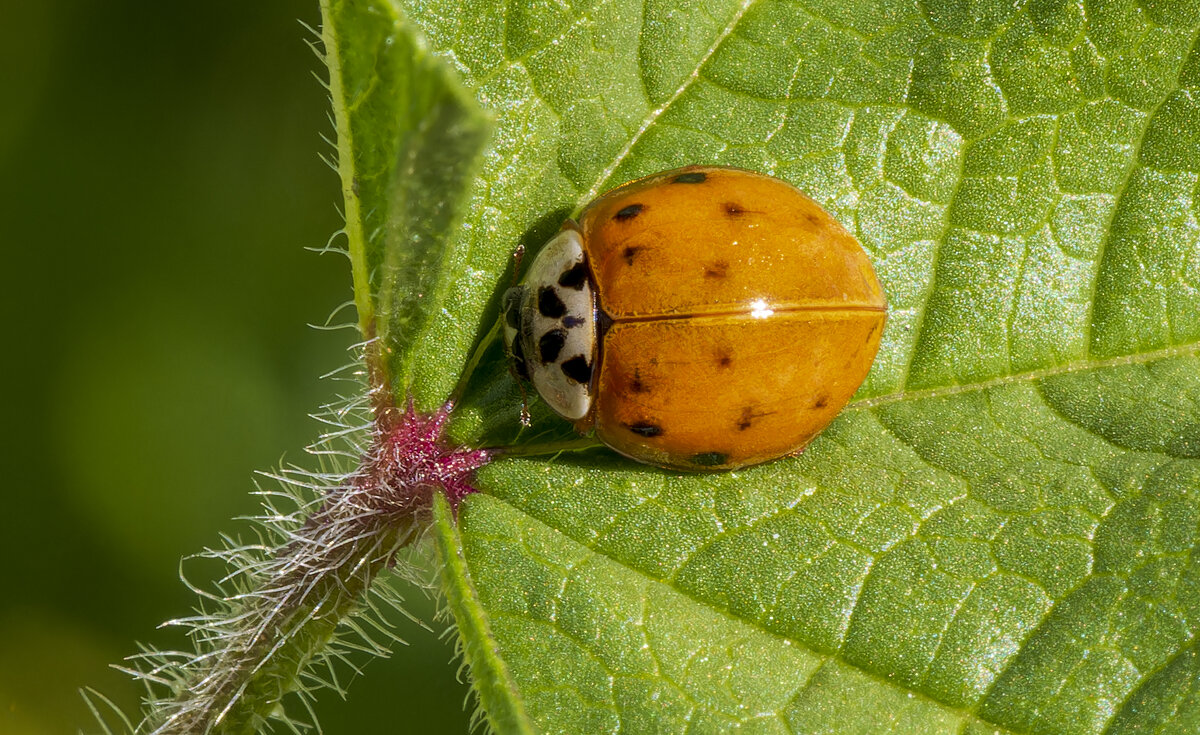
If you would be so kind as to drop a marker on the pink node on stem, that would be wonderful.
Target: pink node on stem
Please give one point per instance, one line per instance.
(414, 459)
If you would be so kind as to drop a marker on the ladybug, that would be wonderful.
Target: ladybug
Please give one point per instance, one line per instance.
(704, 318)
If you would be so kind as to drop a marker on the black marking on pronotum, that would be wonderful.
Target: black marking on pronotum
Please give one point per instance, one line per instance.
(821, 402)
(629, 252)
(578, 369)
(717, 269)
(694, 177)
(724, 359)
(629, 212)
(574, 277)
(646, 429)
(551, 344)
(571, 322)
(549, 304)
(747, 419)
(733, 209)
(710, 459)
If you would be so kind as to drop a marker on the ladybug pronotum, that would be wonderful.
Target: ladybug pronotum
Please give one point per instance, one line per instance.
(704, 318)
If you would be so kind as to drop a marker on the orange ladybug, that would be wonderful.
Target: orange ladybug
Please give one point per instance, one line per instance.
(704, 318)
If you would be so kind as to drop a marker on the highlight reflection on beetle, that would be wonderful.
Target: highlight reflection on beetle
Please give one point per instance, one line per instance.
(704, 318)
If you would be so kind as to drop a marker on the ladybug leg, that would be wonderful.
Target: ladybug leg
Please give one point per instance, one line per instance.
(526, 419)
(519, 379)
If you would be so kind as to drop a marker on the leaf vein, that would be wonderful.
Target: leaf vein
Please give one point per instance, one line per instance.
(1188, 350)
(1122, 189)
(653, 115)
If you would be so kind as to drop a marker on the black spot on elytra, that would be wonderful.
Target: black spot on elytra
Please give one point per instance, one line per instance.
(629, 252)
(574, 277)
(718, 269)
(710, 459)
(578, 369)
(747, 419)
(724, 359)
(694, 177)
(636, 385)
(570, 322)
(645, 428)
(628, 213)
(549, 304)
(518, 360)
(551, 344)
(813, 219)
(821, 402)
(733, 209)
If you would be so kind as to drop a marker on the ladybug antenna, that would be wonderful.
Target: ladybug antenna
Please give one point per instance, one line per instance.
(517, 256)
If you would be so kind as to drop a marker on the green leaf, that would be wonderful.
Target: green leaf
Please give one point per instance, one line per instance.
(409, 138)
(1000, 533)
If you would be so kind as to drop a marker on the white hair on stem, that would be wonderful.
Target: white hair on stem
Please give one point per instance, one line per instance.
(297, 602)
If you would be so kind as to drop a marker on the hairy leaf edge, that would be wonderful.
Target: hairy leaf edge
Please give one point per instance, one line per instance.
(490, 677)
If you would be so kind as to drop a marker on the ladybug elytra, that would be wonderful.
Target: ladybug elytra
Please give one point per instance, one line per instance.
(704, 318)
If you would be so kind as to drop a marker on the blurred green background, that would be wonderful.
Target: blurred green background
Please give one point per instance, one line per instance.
(160, 183)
